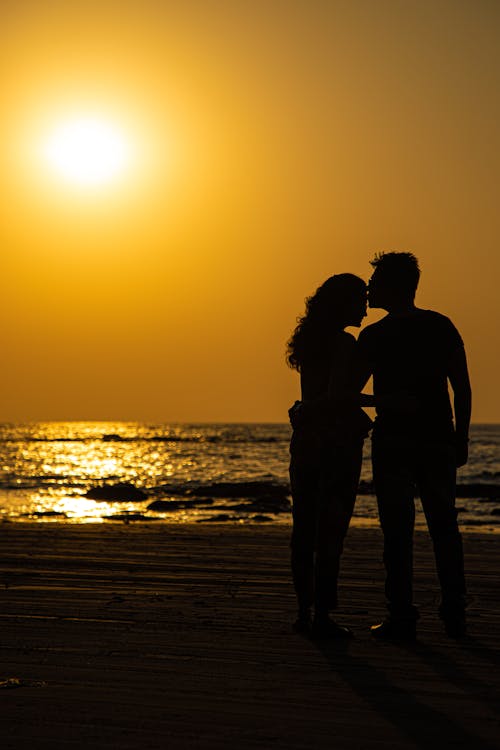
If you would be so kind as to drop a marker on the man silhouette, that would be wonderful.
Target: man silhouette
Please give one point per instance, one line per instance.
(412, 355)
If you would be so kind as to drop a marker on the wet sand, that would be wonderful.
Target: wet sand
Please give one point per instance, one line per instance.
(168, 636)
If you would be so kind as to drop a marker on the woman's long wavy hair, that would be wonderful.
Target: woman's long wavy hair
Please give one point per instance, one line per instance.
(325, 310)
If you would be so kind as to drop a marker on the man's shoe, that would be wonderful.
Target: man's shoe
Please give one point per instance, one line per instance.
(391, 630)
(329, 630)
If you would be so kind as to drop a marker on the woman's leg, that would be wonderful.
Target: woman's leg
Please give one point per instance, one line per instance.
(304, 485)
(339, 483)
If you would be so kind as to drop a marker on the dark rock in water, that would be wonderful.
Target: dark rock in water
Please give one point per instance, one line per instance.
(221, 518)
(162, 506)
(111, 438)
(242, 489)
(123, 492)
(474, 489)
(491, 491)
(128, 517)
(265, 504)
(165, 506)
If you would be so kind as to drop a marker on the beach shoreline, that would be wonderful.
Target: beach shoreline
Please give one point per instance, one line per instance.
(175, 635)
(360, 522)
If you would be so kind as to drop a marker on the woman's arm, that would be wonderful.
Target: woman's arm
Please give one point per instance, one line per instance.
(345, 380)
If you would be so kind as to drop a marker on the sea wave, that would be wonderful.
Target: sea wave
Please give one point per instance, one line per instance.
(116, 432)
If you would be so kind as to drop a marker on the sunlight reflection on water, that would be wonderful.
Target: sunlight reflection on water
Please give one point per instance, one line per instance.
(46, 469)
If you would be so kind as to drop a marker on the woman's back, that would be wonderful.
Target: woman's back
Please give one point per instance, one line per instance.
(326, 372)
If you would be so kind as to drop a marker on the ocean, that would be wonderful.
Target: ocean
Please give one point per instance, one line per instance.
(80, 472)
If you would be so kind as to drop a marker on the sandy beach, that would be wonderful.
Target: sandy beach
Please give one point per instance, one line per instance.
(170, 636)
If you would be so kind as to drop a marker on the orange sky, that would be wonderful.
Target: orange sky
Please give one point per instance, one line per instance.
(275, 143)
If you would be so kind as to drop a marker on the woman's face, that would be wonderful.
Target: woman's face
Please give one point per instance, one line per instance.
(356, 311)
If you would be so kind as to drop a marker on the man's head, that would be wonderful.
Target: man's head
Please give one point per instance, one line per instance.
(394, 280)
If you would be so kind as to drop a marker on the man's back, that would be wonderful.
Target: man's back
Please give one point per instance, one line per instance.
(410, 353)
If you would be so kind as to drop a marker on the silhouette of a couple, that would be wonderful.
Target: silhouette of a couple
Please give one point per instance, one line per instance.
(417, 442)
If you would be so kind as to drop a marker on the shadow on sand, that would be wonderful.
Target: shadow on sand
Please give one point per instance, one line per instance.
(424, 725)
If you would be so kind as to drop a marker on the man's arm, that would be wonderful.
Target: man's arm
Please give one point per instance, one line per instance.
(458, 376)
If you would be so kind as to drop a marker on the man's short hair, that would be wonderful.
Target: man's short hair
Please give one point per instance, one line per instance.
(400, 270)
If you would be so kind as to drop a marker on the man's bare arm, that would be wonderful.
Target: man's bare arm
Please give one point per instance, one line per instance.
(458, 375)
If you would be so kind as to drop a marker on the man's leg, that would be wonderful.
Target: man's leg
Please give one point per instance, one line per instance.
(394, 480)
(437, 482)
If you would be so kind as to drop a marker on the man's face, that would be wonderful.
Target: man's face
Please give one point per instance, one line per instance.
(376, 291)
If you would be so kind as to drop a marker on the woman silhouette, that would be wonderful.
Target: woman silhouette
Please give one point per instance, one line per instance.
(329, 427)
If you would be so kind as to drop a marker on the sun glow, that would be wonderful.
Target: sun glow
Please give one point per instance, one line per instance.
(87, 151)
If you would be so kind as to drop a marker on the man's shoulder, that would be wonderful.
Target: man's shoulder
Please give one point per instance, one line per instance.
(426, 323)
(439, 322)
(435, 317)
(420, 315)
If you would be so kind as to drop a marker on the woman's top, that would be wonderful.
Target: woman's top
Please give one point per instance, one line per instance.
(329, 410)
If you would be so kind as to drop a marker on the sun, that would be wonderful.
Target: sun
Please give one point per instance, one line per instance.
(87, 151)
